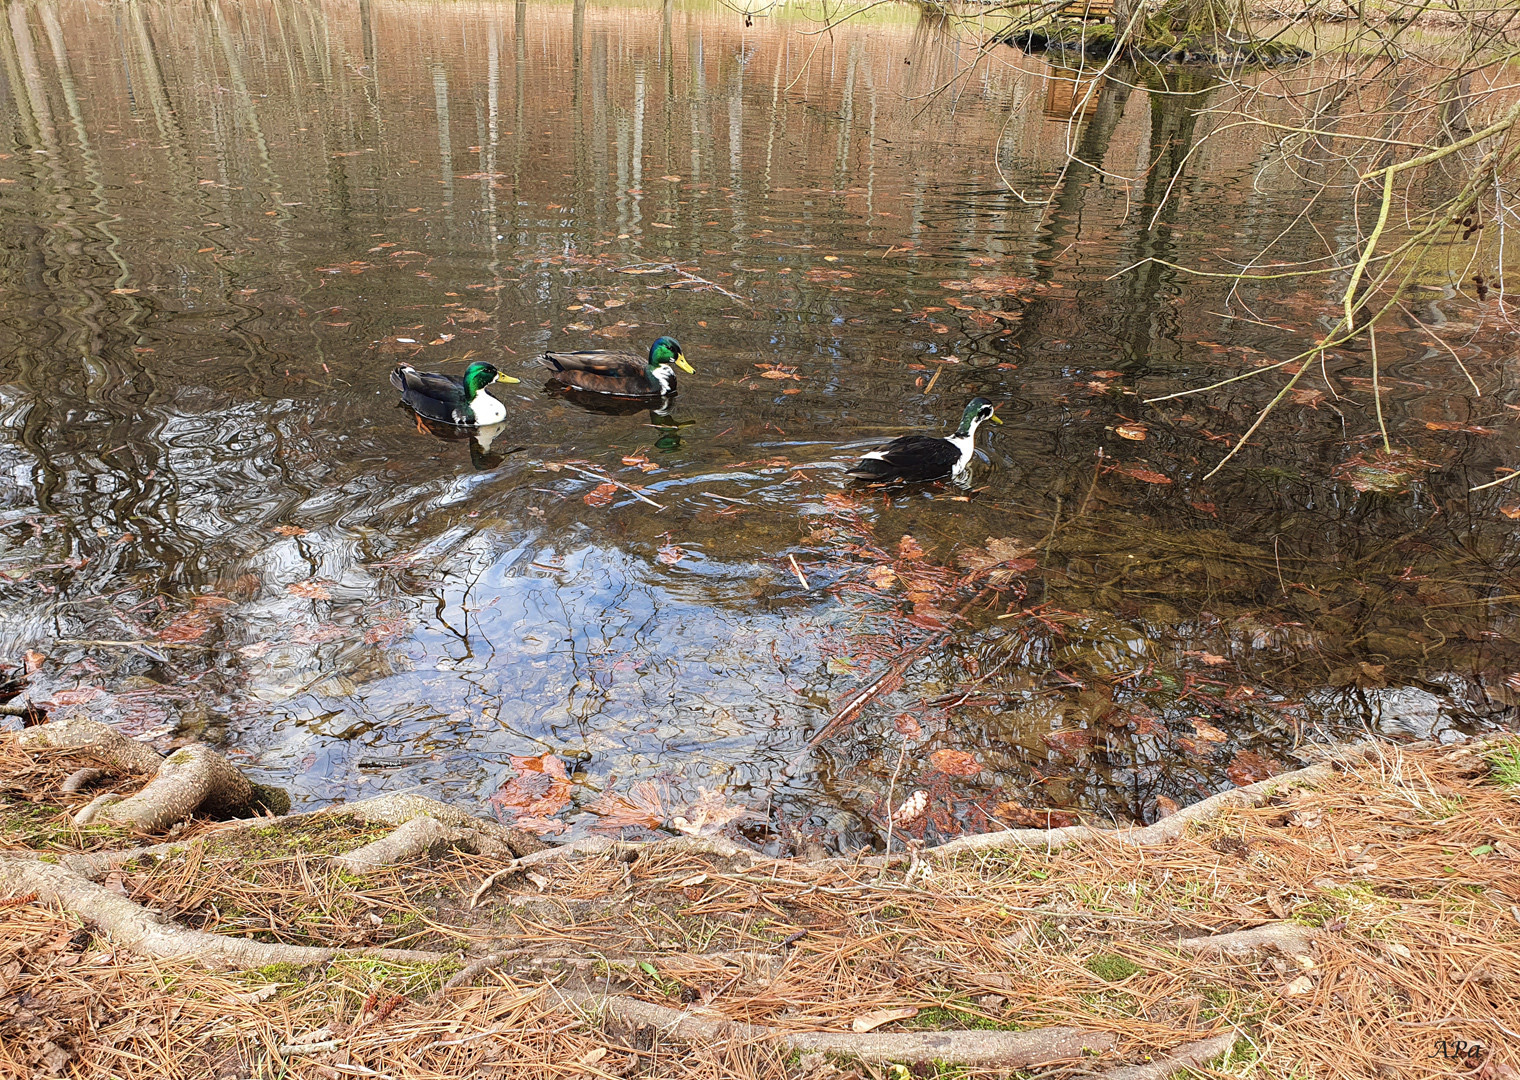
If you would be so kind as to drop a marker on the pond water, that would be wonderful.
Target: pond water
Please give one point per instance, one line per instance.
(224, 224)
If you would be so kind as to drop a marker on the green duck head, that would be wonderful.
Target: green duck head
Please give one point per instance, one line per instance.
(977, 410)
(667, 350)
(480, 374)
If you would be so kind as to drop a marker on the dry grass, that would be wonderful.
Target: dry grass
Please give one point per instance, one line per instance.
(1410, 865)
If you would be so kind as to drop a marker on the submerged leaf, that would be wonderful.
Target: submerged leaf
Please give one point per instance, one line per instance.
(1248, 768)
(643, 804)
(308, 590)
(955, 762)
(601, 495)
(1069, 740)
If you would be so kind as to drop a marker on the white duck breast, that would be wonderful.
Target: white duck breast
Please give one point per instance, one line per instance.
(487, 409)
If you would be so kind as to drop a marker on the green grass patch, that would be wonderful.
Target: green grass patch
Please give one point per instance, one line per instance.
(1504, 764)
(1111, 967)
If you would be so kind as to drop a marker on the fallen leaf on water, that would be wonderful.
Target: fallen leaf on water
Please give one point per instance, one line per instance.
(708, 815)
(907, 548)
(191, 626)
(309, 590)
(290, 530)
(600, 495)
(1381, 471)
(1512, 511)
(955, 762)
(1165, 807)
(387, 629)
(1145, 476)
(907, 726)
(1106, 374)
(1006, 557)
(1208, 732)
(1133, 432)
(882, 576)
(31, 661)
(643, 804)
(669, 555)
(873, 1020)
(1069, 740)
(540, 789)
(841, 665)
(1308, 396)
(640, 461)
(442, 339)
(1248, 768)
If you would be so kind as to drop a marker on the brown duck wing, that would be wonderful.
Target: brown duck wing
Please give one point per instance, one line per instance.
(596, 362)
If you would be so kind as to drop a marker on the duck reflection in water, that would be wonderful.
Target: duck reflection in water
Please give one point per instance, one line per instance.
(482, 457)
(659, 409)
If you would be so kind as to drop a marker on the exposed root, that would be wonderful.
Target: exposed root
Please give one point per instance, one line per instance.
(480, 836)
(1290, 939)
(133, 927)
(101, 740)
(415, 837)
(1190, 1056)
(596, 845)
(92, 809)
(190, 779)
(80, 779)
(1167, 829)
(986, 1049)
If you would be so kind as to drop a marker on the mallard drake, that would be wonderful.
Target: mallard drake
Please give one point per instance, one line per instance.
(451, 399)
(924, 457)
(620, 374)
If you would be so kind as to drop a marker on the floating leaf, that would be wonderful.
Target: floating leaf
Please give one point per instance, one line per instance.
(77, 697)
(1003, 559)
(31, 661)
(643, 804)
(290, 530)
(1145, 476)
(1248, 768)
(1033, 817)
(1381, 471)
(908, 727)
(1069, 740)
(709, 815)
(640, 461)
(955, 762)
(882, 577)
(1133, 432)
(669, 555)
(309, 590)
(1165, 807)
(907, 548)
(1208, 732)
(387, 629)
(540, 789)
(191, 626)
(601, 495)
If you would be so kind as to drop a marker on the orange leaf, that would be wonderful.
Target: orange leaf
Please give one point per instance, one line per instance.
(1146, 476)
(191, 626)
(600, 495)
(309, 590)
(1248, 768)
(1133, 432)
(955, 762)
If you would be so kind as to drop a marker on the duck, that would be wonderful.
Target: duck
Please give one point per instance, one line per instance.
(925, 457)
(620, 374)
(453, 399)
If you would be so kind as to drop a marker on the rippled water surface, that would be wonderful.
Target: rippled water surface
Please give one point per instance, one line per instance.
(224, 224)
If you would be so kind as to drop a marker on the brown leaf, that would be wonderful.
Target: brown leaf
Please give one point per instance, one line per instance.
(1133, 432)
(1165, 807)
(1208, 732)
(191, 626)
(708, 815)
(1455, 425)
(600, 495)
(669, 555)
(873, 1020)
(387, 629)
(310, 590)
(955, 762)
(907, 726)
(1033, 817)
(290, 530)
(643, 804)
(1145, 476)
(540, 789)
(1248, 768)
(882, 576)
(31, 661)
(1069, 740)
(77, 697)
(907, 548)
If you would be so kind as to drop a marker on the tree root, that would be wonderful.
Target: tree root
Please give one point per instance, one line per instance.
(477, 834)
(80, 779)
(134, 927)
(92, 809)
(101, 740)
(1167, 829)
(1190, 1056)
(985, 1049)
(414, 837)
(596, 845)
(190, 779)
(1290, 939)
